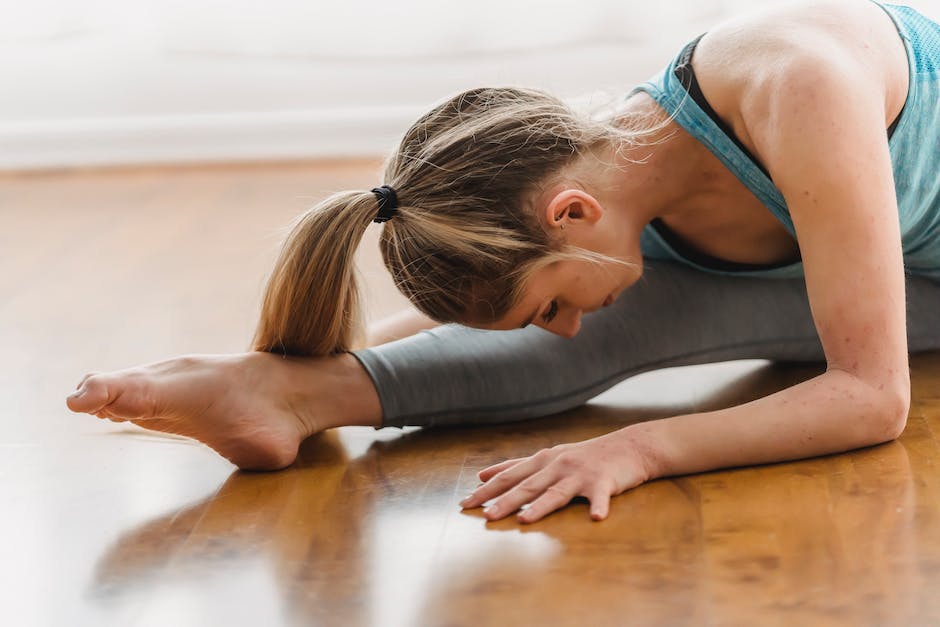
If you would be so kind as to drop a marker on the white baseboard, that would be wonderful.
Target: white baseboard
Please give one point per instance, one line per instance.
(347, 132)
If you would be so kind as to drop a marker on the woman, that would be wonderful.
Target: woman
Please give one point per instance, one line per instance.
(760, 199)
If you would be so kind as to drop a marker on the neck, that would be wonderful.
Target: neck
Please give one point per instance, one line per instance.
(663, 178)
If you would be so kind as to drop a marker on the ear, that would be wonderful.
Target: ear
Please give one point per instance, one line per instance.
(569, 206)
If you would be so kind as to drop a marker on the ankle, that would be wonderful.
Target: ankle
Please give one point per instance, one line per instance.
(335, 391)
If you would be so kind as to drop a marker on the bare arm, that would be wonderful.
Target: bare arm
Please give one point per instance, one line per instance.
(819, 127)
(831, 413)
(397, 326)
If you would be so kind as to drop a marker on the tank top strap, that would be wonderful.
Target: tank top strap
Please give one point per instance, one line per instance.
(669, 89)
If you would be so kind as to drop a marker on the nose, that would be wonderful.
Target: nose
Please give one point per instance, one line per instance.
(567, 326)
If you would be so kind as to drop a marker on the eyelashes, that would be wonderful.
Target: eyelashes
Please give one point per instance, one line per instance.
(552, 310)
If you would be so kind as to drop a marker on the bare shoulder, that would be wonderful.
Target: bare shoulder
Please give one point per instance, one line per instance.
(808, 85)
(742, 60)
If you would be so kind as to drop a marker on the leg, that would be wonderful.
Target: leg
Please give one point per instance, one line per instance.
(674, 316)
(256, 408)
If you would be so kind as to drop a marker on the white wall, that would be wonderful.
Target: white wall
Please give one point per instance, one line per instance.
(109, 82)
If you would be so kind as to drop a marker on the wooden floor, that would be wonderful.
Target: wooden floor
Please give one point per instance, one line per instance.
(111, 525)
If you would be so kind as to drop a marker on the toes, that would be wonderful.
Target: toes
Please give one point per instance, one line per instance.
(104, 414)
(119, 397)
(164, 426)
(85, 378)
(90, 397)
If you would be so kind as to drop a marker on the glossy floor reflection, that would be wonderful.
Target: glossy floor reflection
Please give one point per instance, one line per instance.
(111, 525)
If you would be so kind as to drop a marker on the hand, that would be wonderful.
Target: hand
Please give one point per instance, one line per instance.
(597, 469)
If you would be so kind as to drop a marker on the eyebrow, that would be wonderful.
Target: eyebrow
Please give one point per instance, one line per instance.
(531, 318)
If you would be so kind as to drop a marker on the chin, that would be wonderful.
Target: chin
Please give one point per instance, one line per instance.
(632, 276)
(637, 270)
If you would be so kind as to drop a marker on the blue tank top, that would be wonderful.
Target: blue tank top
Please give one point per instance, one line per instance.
(914, 144)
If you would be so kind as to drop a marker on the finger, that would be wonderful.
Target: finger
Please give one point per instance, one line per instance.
(554, 497)
(487, 473)
(600, 502)
(525, 492)
(503, 481)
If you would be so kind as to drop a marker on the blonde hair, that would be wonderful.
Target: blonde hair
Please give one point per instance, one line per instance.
(466, 237)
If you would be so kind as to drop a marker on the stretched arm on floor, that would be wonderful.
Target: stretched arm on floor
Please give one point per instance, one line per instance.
(820, 131)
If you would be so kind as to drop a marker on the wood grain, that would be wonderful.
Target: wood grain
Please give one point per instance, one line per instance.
(107, 524)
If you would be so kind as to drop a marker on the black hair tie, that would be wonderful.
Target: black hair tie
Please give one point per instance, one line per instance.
(388, 203)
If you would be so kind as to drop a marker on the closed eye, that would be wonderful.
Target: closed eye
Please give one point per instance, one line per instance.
(552, 310)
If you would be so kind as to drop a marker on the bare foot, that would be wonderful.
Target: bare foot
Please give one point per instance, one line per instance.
(254, 409)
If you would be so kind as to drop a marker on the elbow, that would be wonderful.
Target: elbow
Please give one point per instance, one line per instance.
(896, 406)
(896, 420)
(882, 400)
(884, 404)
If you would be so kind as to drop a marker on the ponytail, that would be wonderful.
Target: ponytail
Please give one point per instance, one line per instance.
(469, 239)
(312, 304)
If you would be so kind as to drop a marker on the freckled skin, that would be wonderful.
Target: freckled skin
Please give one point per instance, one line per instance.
(254, 409)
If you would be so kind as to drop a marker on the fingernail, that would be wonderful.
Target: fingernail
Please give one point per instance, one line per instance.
(490, 510)
(77, 392)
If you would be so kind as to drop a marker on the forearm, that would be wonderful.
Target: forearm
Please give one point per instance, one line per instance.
(397, 326)
(831, 413)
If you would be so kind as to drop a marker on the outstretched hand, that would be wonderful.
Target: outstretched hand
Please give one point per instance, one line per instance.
(596, 469)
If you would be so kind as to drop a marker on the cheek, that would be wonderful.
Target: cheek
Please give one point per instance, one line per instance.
(590, 286)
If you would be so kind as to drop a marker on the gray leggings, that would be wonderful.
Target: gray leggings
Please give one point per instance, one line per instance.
(674, 316)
